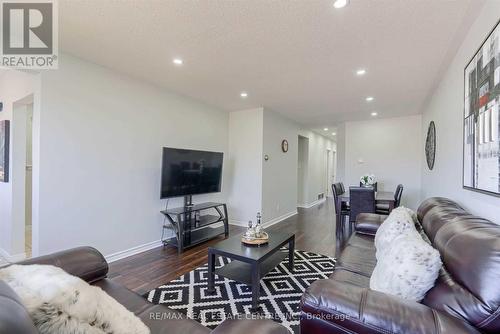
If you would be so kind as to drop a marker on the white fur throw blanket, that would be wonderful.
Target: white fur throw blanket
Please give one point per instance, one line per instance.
(60, 303)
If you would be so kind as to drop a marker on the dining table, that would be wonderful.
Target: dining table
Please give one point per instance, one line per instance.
(381, 197)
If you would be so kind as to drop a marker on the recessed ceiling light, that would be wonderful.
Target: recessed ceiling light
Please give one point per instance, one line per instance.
(326, 129)
(177, 61)
(340, 3)
(244, 94)
(374, 113)
(361, 72)
(369, 98)
(333, 134)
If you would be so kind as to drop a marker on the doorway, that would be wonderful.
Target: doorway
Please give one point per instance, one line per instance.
(330, 171)
(28, 240)
(302, 171)
(22, 176)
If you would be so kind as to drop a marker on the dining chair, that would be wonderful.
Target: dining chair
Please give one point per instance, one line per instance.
(383, 209)
(338, 188)
(341, 209)
(361, 200)
(398, 195)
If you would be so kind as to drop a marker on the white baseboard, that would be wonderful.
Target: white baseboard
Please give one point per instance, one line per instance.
(310, 205)
(11, 258)
(238, 222)
(151, 245)
(280, 218)
(266, 224)
(132, 251)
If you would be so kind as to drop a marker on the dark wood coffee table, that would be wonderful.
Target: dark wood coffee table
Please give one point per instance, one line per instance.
(250, 263)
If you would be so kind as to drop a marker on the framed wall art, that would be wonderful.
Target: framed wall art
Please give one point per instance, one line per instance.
(4, 150)
(430, 145)
(481, 135)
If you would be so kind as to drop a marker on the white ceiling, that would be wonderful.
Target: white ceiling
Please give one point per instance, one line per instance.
(331, 133)
(294, 57)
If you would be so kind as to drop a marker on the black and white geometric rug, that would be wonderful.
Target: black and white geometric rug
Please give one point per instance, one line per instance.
(279, 295)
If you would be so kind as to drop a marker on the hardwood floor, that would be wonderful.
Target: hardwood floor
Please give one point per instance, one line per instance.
(314, 231)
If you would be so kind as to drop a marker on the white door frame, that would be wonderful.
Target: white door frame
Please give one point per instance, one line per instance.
(20, 113)
(330, 170)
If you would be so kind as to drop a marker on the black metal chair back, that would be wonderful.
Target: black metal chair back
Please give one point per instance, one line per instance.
(338, 188)
(336, 192)
(361, 200)
(397, 195)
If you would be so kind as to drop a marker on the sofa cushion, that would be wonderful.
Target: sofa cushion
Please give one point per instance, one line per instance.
(330, 306)
(14, 317)
(346, 276)
(357, 259)
(61, 303)
(158, 318)
(84, 262)
(468, 286)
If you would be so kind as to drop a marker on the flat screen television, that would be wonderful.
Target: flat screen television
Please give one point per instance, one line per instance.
(190, 172)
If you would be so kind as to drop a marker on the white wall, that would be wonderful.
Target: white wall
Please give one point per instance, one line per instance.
(245, 165)
(279, 178)
(14, 86)
(102, 135)
(256, 185)
(98, 157)
(391, 149)
(316, 165)
(446, 109)
(340, 144)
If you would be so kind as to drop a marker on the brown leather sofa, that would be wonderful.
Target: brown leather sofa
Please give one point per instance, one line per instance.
(465, 298)
(88, 264)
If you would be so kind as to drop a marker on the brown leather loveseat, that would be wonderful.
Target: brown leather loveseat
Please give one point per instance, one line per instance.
(465, 298)
(88, 264)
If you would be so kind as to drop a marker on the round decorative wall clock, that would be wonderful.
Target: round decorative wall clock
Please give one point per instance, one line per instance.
(284, 145)
(430, 145)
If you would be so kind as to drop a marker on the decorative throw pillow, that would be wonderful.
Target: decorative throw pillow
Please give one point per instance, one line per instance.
(399, 222)
(60, 303)
(408, 269)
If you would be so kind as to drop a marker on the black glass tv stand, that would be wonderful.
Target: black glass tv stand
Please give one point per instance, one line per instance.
(195, 224)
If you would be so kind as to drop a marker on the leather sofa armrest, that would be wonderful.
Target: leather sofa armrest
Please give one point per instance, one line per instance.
(345, 308)
(14, 317)
(368, 223)
(84, 262)
(245, 325)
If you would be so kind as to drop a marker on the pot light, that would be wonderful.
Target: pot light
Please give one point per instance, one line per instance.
(369, 98)
(244, 94)
(177, 61)
(374, 114)
(361, 72)
(334, 134)
(340, 3)
(326, 129)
